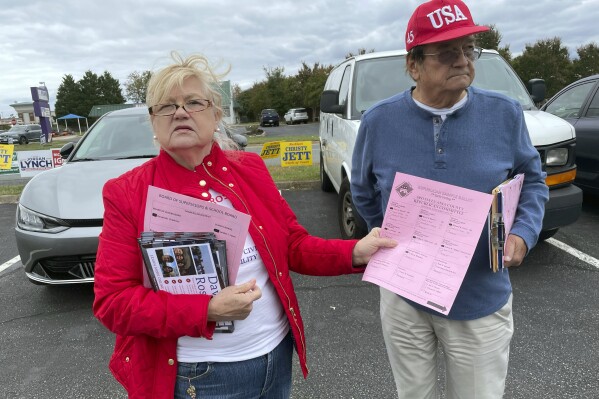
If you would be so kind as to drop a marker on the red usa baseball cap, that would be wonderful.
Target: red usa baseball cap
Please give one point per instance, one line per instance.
(438, 21)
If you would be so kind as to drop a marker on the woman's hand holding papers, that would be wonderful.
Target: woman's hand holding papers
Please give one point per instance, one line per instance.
(514, 251)
(234, 302)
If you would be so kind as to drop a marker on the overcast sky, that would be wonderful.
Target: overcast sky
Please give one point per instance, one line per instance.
(42, 41)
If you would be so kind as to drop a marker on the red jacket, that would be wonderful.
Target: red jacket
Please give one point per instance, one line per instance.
(148, 323)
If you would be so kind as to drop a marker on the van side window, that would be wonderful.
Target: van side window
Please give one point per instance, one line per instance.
(344, 89)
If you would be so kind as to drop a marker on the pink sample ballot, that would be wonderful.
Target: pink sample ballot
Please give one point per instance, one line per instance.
(169, 211)
(437, 227)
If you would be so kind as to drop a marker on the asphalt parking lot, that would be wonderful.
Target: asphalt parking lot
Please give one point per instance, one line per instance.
(51, 346)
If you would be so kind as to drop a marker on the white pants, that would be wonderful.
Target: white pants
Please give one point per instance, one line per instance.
(476, 351)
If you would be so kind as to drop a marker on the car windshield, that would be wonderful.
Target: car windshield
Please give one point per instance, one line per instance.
(495, 74)
(117, 136)
(373, 83)
(269, 112)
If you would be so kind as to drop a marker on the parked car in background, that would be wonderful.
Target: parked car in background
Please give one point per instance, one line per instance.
(296, 115)
(21, 134)
(269, 117)
(359, 82)
(578, 103)
(60, 211)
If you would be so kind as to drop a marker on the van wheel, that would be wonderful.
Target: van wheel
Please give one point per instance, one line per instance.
(547, 234)
(23, 140)
(325, 182)
(352, 226)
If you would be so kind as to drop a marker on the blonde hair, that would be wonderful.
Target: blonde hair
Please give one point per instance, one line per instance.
(171, 77)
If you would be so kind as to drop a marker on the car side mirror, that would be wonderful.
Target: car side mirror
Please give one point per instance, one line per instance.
(537, 89)
(329, 102)
(66, 150)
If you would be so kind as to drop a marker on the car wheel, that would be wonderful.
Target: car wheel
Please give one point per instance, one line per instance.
(351, 224)
(305, 122)
(547, 234)
(23, 140)
(325, 182)
(276, 123)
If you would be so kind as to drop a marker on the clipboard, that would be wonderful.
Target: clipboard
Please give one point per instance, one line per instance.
(506, 197)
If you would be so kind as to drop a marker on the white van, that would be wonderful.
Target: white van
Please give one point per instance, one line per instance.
(361, 81)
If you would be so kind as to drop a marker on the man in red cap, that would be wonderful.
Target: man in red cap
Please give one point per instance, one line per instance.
(445, 130)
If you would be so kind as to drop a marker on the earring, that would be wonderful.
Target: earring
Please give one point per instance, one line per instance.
(155, 137)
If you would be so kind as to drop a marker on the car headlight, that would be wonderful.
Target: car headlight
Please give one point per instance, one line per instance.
(33, 221)
(557, 157)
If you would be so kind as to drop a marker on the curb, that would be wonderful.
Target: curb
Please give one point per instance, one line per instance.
(9, 199)
(300, 185)
(284, 185)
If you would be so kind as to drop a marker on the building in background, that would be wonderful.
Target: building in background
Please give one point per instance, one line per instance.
(229, 115)
(24, 114)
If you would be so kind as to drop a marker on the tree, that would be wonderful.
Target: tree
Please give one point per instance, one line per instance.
(491, 39)
(360, 52)
(312, 81)
(136, 86)
(110, 90)
(275, 89)
(79, 97)
(68, 96)
(587, 63)
(546, 59)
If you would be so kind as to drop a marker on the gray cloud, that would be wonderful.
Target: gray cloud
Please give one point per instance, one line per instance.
(44, 41)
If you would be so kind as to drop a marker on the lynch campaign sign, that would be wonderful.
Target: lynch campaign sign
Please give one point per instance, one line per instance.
(33, 162)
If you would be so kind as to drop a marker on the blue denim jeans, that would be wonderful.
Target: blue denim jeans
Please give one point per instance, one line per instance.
(264, 377)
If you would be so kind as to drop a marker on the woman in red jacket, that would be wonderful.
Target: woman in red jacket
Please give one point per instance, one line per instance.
(165, 345)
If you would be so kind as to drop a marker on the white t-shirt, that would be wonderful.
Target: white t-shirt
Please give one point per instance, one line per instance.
(259, 333)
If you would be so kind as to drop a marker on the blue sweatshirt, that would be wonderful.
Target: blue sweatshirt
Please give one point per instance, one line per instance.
(478, 146)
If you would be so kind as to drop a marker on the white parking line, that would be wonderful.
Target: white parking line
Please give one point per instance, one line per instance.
(11, 262)
(574, 252)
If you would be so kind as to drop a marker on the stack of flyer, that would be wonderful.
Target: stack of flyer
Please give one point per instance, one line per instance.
(506, 197)
(186, 263)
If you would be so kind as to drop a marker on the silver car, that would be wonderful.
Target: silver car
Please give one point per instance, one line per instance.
(60, 211)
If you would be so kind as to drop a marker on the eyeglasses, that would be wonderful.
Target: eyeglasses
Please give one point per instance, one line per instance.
(448, 57)
(190, 106)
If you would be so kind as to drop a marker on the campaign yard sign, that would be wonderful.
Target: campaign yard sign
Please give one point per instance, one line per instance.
(33, 162)
(296, 153)
(8, 159)
(6, 152)
(271, 150)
